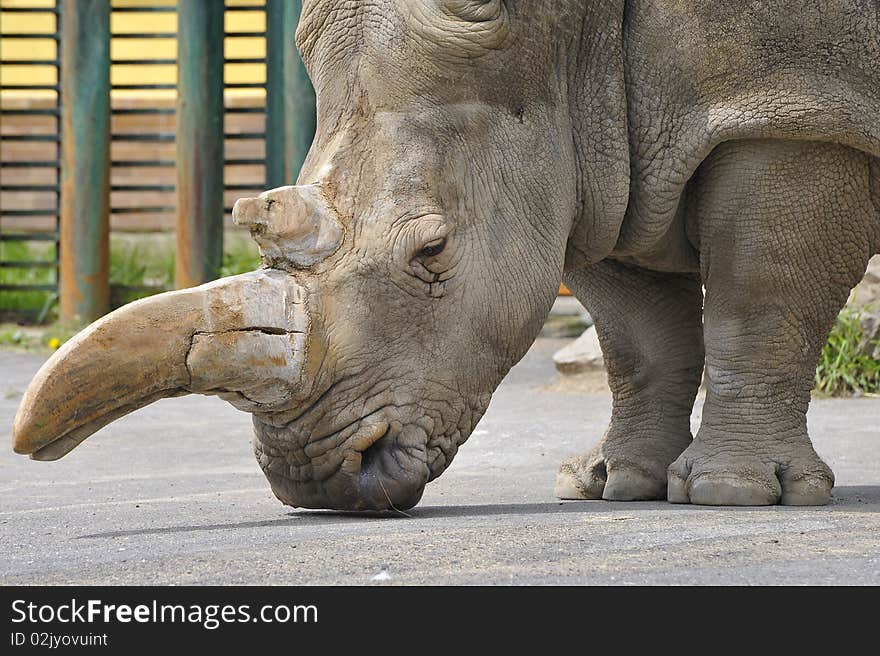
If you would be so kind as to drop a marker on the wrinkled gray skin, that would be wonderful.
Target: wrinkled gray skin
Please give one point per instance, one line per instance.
(469, 155)
(623, 144)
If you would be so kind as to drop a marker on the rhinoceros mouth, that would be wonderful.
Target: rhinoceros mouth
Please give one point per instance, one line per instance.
(372, 463)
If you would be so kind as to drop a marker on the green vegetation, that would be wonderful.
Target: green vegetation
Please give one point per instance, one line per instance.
(26, 304)
(844, 368)
(35, 338)
(140, 265)
(240, 256)
(12, 337)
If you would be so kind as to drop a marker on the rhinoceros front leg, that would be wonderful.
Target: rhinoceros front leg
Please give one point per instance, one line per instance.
(649, 327)
(785, 230)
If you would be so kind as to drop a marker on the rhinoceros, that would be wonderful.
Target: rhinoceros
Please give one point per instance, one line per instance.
(704, 176)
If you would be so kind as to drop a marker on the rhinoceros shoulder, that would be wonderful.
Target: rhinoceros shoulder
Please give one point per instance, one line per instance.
(701, 73)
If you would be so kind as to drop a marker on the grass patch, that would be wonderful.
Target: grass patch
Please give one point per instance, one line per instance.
(46, 337)
(13, 337)
(844, 368)
(240, 256)
(25, 305)
(140, 265)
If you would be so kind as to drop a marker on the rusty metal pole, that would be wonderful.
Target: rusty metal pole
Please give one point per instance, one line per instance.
(290, 98)
(199, 141)
(85, 159)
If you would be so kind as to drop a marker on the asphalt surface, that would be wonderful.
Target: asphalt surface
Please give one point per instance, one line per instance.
(172, 495)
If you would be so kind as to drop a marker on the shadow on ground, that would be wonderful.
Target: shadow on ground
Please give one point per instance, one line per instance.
(864, 498)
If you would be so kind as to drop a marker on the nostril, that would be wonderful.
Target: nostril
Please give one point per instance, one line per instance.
(371, 455)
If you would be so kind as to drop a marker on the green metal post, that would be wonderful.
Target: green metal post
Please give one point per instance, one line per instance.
(199, 141)
(85, 159)
(290, 98)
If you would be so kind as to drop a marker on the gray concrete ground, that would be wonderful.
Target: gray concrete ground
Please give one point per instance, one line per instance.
(172, 495)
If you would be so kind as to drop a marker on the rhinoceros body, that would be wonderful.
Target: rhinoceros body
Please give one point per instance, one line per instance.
(469, 155)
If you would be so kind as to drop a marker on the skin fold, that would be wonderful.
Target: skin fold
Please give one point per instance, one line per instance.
(754, 136)
(469, 155)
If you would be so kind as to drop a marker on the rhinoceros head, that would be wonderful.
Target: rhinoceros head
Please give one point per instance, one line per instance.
(403, 276)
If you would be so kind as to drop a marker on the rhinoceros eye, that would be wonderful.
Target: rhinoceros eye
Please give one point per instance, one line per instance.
(432, 249)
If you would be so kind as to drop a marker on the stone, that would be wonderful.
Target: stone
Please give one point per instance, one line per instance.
(581, 356)
(867, 292)
(865, 299)
(870, 341)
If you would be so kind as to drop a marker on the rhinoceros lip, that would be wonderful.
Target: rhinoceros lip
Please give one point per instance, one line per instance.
(342, 445)
(371, 470)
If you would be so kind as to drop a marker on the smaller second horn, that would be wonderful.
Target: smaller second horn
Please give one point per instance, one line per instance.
(293, 225)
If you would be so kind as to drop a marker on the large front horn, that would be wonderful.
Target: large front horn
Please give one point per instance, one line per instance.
(242, 337)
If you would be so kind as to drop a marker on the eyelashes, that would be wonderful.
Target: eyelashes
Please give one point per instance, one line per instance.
(432, 249)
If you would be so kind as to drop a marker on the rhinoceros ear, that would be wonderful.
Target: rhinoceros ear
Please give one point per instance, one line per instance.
(293, 225)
